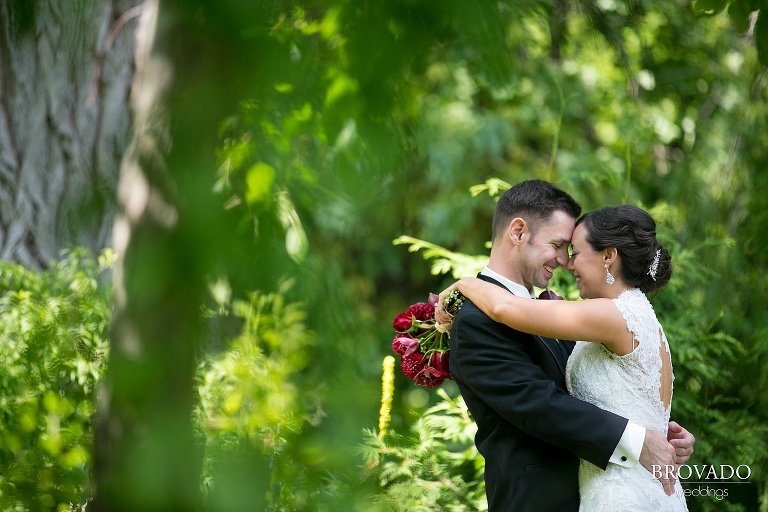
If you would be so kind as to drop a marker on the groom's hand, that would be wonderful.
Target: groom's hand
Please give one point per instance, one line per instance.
(658, 457)
(682, 441)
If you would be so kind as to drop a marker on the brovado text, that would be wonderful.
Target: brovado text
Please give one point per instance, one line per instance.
(703, 472)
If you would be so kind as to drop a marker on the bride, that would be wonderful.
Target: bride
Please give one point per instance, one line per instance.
(623, 365)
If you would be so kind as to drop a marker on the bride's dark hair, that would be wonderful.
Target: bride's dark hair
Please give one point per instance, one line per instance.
(633, 233)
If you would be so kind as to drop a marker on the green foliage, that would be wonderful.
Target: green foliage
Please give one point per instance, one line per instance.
(53, 351)
(740, 12)
(252, 409)
(705, 361)
(435, 467)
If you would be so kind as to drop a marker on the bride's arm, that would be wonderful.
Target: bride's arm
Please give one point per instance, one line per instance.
(596, 320)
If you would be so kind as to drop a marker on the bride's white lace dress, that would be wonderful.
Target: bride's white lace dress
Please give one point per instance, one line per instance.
(628, 386)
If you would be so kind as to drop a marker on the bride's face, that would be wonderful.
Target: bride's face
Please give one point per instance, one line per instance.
(586, 265)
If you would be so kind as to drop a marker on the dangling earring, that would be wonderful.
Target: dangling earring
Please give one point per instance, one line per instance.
(608, 276)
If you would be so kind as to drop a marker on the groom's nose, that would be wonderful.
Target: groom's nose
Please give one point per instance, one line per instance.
(562, 256)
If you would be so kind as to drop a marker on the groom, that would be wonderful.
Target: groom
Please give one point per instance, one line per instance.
(531, 432)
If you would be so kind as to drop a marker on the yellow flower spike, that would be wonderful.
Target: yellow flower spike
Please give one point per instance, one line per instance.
(387, 391)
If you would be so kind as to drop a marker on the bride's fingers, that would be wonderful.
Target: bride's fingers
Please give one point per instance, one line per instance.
(442, 317)
(443, 295)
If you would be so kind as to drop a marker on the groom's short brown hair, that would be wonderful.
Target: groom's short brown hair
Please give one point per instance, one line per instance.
(534, 201)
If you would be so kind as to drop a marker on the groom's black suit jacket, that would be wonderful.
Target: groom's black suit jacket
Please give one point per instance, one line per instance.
(530, 431)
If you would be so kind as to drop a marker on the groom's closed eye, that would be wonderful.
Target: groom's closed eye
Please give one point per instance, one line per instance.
(558, 244)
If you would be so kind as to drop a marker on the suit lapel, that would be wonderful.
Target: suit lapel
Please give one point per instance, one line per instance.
(553, 346)
(554, 349)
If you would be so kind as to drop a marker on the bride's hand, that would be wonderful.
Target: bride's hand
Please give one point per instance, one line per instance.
(443, 318)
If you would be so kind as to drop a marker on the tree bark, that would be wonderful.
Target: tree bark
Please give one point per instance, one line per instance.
(65, 72)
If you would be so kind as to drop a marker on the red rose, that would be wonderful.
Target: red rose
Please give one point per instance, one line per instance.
(429, 377)
(549, 295)
(421, 310)
(405, 345)
(439, 361)
(412, 364)
(403, 322)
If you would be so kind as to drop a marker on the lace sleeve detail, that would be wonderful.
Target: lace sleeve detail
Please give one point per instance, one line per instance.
(644, 360)
(639, 316)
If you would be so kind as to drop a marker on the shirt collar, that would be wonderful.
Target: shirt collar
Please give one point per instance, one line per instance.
(517, 289)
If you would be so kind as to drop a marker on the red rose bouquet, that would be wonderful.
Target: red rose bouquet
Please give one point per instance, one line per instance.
(424, 349)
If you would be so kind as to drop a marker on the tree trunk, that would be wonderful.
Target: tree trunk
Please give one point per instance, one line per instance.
(65, 72)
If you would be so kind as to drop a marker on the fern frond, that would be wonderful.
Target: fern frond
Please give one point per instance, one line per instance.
(444, 261)
(494, 187)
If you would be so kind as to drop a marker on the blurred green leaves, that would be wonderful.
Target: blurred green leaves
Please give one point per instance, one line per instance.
(259, 181)
(709, 7)
(745, 15)
(53, 352)
(251, 408)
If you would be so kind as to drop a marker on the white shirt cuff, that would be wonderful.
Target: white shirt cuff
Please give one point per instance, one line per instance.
(627, 452)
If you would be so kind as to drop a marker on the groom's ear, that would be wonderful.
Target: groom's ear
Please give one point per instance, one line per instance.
(518, 230)
(609, 255)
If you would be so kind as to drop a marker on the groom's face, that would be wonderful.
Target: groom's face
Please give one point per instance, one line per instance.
(547, 249)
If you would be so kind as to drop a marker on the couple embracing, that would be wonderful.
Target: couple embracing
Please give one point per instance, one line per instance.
(567, 426)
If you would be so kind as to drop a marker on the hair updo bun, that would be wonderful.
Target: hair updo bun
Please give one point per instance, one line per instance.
(633, 233)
